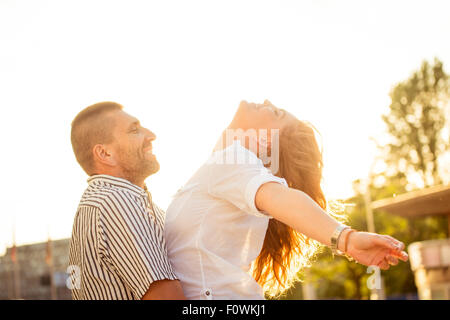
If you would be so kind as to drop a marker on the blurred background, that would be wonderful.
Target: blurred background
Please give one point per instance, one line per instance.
(371, 76)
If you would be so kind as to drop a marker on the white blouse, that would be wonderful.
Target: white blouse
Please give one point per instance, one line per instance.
(213, 229)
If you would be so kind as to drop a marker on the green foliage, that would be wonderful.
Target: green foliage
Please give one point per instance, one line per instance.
(415, 120)
(339, 278)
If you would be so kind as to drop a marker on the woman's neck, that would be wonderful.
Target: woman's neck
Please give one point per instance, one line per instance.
(248, 139)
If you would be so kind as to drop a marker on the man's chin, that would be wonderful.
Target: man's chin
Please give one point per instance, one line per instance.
(150, 158)
(152, 167)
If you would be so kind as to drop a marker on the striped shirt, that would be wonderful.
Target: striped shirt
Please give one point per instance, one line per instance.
(117, 247)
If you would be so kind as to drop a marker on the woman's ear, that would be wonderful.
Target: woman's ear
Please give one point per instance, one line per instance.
(265, 140)
(264, 143)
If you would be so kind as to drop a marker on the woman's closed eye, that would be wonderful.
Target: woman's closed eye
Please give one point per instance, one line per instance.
(278, 112)
(273, 109)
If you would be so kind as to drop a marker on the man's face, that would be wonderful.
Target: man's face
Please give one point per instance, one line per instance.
(132, 147)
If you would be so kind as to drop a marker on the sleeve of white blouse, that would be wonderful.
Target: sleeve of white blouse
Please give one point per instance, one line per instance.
(236, 174)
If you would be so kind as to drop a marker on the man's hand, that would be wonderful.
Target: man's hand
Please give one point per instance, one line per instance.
(165, 290)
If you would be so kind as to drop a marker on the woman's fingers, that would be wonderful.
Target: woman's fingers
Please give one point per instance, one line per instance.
(400, 255)
(396, 242)
(391, 260)
(387, 262)
(384, 265)
(397, 248)
(389, 242)
(385, 242)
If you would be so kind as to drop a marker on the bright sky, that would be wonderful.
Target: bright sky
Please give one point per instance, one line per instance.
(182, 67)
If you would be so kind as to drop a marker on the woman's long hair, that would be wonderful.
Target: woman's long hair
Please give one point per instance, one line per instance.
(285, 251)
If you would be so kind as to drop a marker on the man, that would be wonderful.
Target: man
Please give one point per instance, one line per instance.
(117, 250)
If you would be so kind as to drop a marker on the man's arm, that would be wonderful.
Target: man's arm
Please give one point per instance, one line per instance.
(130, 245)
(165, 290)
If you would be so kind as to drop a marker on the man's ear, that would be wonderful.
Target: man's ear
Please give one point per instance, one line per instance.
(103, 155)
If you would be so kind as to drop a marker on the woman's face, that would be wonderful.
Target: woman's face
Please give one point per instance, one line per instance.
(261, 116)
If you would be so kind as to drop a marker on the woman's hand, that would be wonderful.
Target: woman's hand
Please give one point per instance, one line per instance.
(299, 211)
(373, 249)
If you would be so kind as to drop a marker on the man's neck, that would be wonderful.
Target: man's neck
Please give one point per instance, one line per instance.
(134, 180)
(139, 183)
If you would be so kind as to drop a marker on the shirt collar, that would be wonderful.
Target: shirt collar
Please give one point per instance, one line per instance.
(104, 179)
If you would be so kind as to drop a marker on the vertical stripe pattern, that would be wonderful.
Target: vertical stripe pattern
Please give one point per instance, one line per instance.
(117, 247)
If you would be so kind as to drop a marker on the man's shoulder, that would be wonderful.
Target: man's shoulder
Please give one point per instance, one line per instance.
(105, 197)
(158, 209)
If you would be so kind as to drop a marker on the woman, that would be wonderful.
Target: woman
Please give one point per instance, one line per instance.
(237, 230)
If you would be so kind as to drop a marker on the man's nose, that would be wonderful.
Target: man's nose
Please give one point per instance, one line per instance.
(150, 135)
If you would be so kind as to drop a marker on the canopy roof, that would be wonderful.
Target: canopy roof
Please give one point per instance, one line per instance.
(425, 202)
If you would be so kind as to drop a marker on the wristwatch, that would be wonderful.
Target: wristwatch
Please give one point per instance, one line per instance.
(335, 239)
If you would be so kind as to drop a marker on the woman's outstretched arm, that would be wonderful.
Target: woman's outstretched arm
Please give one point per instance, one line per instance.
(296, 209)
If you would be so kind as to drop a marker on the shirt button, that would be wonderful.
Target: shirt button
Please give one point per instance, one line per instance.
(207, 292)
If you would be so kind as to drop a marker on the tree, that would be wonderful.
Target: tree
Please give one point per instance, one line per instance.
(415, 120)
(339, 278)
(414, 123)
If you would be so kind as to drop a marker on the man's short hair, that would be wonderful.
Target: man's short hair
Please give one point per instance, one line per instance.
(91, 127)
